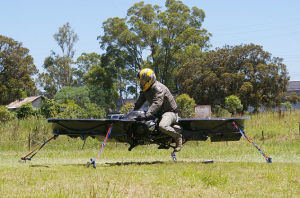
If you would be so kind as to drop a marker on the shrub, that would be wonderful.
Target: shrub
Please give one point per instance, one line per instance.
(70, 110)
(218, 111)
(25, 111)
(126, 108)
(92, 110)
(287, 106)
(73, 110)
(5, 114)
(233, 104)
(293, 98)
(49, 108)
(186, 106)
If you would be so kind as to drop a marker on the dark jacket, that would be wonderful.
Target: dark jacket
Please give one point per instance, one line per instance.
(160, 99)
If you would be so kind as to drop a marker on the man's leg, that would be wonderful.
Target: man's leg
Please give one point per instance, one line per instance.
(167, 120)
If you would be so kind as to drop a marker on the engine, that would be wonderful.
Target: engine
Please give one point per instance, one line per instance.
(143, 131)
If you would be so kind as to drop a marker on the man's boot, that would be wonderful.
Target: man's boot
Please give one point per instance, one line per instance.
(178, 142)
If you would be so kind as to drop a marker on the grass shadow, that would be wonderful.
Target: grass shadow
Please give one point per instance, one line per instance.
(128, 163)
(132, 163)
(39, 166)
(111, 164)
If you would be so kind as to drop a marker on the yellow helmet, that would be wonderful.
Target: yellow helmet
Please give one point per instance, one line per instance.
(146, 78)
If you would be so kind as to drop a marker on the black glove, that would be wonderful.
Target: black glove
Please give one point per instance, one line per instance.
(149, 117)
(145, 118)
(140, 118)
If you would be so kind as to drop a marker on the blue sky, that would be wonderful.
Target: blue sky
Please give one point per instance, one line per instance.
(273, 24)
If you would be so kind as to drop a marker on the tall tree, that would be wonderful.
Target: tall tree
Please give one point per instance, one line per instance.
(158, 38)
(16, 71)
(66, 38)
(99, 75)
(58, 68)
(117, 36)
(246, 71)
(117, 61)
(84, 63)
(102, 88)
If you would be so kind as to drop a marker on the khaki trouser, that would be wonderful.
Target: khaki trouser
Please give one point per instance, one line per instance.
(167, 120)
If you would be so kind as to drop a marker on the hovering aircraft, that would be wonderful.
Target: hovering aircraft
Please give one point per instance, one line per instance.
(142, 132)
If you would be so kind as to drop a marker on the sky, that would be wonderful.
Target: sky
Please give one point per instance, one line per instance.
(273, 24)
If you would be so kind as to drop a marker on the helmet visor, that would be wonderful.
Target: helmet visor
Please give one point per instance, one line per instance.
(142, 83)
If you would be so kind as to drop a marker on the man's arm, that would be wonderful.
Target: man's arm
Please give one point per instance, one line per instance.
(140, 101)
(158, 100)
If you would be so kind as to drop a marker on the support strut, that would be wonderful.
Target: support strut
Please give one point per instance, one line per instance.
(34, 152)
(268, 159)
(93, 161)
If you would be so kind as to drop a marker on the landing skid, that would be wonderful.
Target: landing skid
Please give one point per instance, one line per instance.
(173, 155)
(132, 146)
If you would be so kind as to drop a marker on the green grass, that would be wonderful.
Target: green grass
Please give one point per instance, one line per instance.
(60, 170)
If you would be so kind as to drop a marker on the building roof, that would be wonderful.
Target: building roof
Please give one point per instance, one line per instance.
(293, 86)
(19, 103)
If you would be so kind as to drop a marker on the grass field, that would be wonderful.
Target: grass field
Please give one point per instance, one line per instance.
(60, 170)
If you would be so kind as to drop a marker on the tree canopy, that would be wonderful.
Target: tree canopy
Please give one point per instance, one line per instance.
(84, 63)
(156, 38)
(79, 94)
(16, 71)
(66, 38)
(246, 71)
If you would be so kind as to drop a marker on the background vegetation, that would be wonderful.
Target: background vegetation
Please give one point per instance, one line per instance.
(186, 106)
(170, 40)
